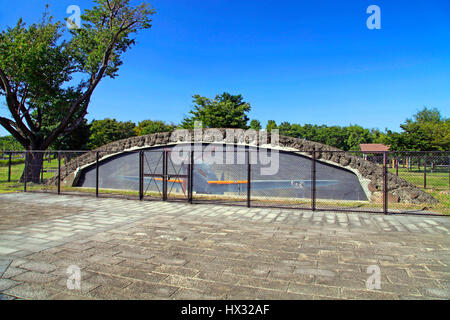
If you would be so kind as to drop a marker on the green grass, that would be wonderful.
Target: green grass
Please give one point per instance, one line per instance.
(16, 172)
(5, 163)
(437, 185)
(438, 180)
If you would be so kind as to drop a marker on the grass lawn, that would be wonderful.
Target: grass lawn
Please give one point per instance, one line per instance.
(16, 172)
(437, 186)
(438, 180)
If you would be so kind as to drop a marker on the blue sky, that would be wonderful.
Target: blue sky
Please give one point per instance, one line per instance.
(298, 61)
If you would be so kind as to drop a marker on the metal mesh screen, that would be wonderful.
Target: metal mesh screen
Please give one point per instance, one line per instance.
(286, 184)
(340, 187)
(428, 171)
(396, 182)
(220, 175)
(11, 169)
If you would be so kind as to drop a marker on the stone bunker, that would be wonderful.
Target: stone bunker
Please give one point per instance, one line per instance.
(369, 174)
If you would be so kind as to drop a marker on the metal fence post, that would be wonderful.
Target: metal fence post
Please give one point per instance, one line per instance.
(190, 177)
(396, 166)
(424, 171)
(164, 175)
(248, 178)
(141, 175)
(96, 174)
(42, 172)
(313, 184)
(25, 173)
(385, 186)
(9, 167)
(59, 172)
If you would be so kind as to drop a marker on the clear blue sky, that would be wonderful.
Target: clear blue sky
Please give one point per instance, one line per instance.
(299, 61)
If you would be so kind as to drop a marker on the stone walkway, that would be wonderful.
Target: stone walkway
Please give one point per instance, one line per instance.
(129, 249)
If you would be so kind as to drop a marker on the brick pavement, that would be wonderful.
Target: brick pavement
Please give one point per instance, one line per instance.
(129, 249)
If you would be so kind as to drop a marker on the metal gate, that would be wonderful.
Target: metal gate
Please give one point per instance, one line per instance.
(160, 177)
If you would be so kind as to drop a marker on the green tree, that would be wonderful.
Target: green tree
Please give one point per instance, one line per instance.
(428, 130)
(150, 126)
(224, 111)
(285, 129)
(357, 135)
(75, 140)
(39, 62)
(345, 138)
(9, 143)
(271, 124)
(109, 130)
(427, 115)
(255, 125)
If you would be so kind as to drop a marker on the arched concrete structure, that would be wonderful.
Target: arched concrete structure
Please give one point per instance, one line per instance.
(370, 174)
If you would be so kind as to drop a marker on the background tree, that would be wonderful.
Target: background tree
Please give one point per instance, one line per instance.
(428, 130)
(38, 69)
(149, 127)
(355, 135)
(255, 125)
(271, 124)
(344, 138)
(291, 130)
(285, 129)
(109, 130)
(224, 111)
(9, 143)
(75, 140)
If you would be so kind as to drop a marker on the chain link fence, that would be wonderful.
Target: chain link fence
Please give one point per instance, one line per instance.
(386, 182)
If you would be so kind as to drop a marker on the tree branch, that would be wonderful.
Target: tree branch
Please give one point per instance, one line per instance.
(26, 112)
(13, 106)
(9, 125)
(75, 124)
(5, 82)
(86, 96)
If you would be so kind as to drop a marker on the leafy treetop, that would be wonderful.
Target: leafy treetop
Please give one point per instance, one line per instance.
(224, 111)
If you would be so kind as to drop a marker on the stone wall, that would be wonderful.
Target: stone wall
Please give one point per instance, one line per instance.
(370, 174)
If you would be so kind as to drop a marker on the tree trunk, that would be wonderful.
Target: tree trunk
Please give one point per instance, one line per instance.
(33, 166)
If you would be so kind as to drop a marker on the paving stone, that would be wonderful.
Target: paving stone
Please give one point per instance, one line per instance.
(85, 286)
(34, 277)
(281, 285)
(107, 280)
(368, 294)
(11, 272)
(5, 251)
(133, 250)
(221, 277)
(71, 296)
(437, 292)
(315, 272)
(158, 290)
(326, 291)
(31, 291)
(181, 271)
(6, 297)
(189, 294)
(38, 267)
(7, 283)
